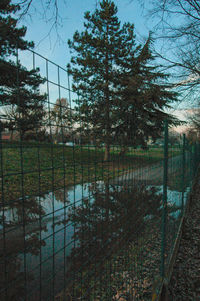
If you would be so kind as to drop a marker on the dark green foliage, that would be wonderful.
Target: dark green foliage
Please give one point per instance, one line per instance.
(19, 88)
(142, 96)
(11, 36)
(121, 93)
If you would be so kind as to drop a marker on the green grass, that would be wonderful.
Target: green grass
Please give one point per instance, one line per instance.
(38, 168)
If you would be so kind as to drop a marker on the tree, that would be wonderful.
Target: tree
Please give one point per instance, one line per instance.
(179, 27)
(61, 118)
(50, 10)
(173, 138)
(13, 246)
(193, 131)
(19, 87)
(10, 34)
(192, 135)
(143, 94)
(121, 96)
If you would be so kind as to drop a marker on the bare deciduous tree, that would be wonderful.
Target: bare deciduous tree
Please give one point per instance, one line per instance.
(61, 118)
(178, 25)
(194, 122)
(50, 11)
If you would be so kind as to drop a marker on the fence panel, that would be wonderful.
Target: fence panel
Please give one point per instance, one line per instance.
(74, 226)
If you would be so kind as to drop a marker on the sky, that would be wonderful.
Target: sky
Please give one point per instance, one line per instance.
(53, 45)
(72, 14)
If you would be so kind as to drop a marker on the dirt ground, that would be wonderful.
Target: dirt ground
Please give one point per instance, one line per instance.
(185, 280)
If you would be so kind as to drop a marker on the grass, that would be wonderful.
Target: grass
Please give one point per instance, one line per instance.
(35, 169)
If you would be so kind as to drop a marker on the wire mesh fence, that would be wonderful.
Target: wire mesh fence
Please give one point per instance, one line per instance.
(74, 226)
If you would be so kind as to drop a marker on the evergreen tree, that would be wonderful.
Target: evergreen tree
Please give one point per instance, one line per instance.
(143, 94)
(119, 93)
(19, 87)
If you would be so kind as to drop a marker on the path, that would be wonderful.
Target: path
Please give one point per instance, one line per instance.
(152, 174)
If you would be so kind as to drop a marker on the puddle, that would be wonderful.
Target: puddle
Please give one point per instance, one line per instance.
(47, 252)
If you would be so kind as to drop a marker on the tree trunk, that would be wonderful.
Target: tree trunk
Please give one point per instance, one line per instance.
(123, 150)
(56, 134)
(107, 107)
(107, 152)
(22, 135)
(11, 136)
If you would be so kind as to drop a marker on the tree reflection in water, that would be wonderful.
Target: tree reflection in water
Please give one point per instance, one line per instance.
(105, 221)
(104, 225)
(19, 218)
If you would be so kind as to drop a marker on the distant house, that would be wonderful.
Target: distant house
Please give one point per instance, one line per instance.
(5, 136)
(8, 136)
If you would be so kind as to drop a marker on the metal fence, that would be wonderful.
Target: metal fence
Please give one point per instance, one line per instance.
(76, 227)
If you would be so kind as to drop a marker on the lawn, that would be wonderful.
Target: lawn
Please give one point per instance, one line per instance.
(35, 169)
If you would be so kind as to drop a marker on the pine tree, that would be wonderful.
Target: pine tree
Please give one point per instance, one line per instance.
(19, 87)
(143, 94)
(119, 92)
(96, 49)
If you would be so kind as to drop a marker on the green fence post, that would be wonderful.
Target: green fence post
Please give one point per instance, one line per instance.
(0, 132)
(198, 153)
(192, 162)
(183, 174)
(195, 158)
(164, 204)
(191, 165)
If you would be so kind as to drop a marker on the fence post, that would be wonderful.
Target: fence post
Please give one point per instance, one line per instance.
(183, 174)
(198, 154)
(0, 131)
(164, 201)
(194, 159)
(191, 165)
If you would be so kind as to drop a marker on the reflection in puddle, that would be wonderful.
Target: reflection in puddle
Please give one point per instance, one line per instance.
(56, 240)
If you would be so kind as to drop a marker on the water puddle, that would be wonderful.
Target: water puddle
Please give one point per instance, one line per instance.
(56, 228)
